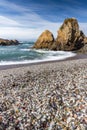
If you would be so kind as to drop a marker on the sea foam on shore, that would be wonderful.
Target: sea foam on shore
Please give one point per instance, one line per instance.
(23, 54)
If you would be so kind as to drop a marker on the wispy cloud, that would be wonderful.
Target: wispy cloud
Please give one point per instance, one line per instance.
(4, 21)
(6, 4)
(26, 23)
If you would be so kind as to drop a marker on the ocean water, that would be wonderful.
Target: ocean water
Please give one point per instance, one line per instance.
(23, 54)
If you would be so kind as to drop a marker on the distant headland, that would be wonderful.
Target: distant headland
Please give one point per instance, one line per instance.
(6, 42)
(69, 38)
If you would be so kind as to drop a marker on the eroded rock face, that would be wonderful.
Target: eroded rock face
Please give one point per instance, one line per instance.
(83, 50)
(45, 40)
(6, 42)
(69, 36)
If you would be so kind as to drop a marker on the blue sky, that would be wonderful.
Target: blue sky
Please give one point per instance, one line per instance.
(26, 19)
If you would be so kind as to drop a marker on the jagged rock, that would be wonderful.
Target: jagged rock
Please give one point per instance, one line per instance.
(85, 40)
(45, 40)
(69, 36)
(6, 42)
(83, 50)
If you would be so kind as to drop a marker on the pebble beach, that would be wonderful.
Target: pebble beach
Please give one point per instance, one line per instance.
(46, 96)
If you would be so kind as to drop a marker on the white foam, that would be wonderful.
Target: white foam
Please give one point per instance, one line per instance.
(59, 55)
(25, 49)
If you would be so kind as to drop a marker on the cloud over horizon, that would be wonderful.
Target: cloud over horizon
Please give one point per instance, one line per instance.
(26, 20)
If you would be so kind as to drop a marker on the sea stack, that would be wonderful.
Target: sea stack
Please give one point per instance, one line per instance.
(69, 36)
(45, 40)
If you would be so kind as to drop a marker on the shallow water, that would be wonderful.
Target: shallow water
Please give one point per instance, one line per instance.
(23, 54)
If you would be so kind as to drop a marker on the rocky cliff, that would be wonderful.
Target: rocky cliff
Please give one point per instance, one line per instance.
(69, 37)
(45, 40)
(6, 42)
(83, 50)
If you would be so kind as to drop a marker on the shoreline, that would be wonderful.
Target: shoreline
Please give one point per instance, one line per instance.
(77, 56)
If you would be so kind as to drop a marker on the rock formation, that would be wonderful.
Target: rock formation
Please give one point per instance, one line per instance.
(45, 40)
(83, 50)
(69, 36)
(6, 42)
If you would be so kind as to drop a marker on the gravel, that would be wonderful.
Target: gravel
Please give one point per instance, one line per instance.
(51, 96)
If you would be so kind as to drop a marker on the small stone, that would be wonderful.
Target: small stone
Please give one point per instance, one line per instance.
(1, 119)
(2, 126)
(82, 127)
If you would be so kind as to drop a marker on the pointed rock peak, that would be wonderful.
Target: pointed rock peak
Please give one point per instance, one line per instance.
(45, 40)
(46, 36)
(47, 33)
(70, 22)
(69, 36)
